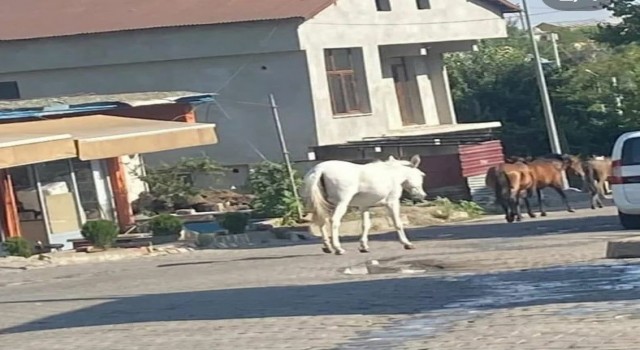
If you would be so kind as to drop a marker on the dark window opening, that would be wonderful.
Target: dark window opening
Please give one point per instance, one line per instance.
(383, 5)
(423, 4)
(9, 90)
(631, 152)
(347, 84)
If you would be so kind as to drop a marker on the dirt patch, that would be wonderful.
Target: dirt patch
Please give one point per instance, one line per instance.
(413, 216)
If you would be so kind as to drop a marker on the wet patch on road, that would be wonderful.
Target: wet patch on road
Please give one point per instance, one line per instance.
(594, 288)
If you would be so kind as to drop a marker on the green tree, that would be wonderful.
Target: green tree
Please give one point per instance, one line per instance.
(626, 32)
(498, 83)
(589, 107)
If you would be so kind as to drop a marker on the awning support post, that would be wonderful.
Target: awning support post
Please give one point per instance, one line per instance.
(118, 180)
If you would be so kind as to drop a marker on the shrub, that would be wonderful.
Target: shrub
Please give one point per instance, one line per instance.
(205, 240)
(270, 184)
(235, 222)
(18, 246)
(101, 233)
(165, 225)
(171, 185)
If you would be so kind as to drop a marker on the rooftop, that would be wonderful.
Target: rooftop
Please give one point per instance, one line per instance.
(39, 107)
(30, 19)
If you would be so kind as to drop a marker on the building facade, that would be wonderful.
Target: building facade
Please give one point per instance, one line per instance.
(69, 160)
(340, 70)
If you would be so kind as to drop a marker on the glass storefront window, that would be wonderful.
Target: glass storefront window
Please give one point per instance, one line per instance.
(87, 191)
(57, 188)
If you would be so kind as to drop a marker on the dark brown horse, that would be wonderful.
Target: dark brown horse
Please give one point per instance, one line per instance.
(547, 171)
(511, 182)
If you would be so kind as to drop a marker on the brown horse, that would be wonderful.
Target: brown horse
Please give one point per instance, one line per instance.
(510, 182)
(547, 171)
(597, 170)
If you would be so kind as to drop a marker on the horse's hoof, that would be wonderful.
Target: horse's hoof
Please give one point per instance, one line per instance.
(543, 214)
(326, 250)
(532, 216)
(509, 219)
(519, 219)
(409, 246)
(571, 210)
(363, 250)
(340, 252)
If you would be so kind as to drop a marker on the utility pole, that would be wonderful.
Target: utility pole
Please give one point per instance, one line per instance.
(556, 54)
(522, 21)
(285, 152)
(554, 140)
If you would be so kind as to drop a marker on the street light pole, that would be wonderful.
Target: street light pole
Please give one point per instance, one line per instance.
(554, 140)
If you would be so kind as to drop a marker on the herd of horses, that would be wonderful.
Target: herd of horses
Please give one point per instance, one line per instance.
(518, 178)
(331, 187)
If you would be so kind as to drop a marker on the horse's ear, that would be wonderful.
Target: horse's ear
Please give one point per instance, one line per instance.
(415, 160)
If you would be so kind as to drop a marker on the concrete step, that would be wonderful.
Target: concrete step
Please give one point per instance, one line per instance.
(626, 248)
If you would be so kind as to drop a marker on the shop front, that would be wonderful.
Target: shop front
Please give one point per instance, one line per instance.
(58, 174)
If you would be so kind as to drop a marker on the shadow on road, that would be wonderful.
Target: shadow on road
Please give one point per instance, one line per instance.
(395, 296)
(480, 230)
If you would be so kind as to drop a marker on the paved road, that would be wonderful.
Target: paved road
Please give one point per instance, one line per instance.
(539, 284)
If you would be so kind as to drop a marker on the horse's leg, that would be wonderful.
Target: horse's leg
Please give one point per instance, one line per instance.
(338, 213)
(542, 212)
(529, 211)
(518, 210)
(326, 240)
(394, 211)
(564, 197)
(366, 225)
(600, 193)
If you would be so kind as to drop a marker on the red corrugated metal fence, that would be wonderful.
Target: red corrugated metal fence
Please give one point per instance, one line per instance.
(477, 159)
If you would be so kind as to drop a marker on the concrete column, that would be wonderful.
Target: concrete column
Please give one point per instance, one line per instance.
(441, 89)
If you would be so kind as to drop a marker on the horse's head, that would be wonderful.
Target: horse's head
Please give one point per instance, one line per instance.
(573, 163)
(412, 177)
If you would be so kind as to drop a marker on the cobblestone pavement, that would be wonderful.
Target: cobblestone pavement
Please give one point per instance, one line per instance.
(539, 284)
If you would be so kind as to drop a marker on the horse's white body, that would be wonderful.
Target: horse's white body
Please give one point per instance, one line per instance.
(333, 186)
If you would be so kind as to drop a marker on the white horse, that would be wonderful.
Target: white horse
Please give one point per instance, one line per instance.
(333, 186)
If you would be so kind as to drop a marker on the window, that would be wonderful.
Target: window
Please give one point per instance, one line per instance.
(423, 4)
(59, 199)
(9, 90)
(347, 81)
(631, 152)
(383, 5)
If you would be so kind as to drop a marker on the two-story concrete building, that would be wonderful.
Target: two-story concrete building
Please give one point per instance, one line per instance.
(341, 70)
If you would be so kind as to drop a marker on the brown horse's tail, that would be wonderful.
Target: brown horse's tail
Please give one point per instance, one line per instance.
(502, 187)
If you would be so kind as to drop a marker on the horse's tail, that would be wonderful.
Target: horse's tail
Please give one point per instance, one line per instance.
(502, 186)
(315, 199)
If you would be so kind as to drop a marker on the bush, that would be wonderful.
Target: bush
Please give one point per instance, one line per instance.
(165, 225)
(18, 246)
(270, 184)
(171, 185)
(205, 240)
(235, 222)
(101, 233)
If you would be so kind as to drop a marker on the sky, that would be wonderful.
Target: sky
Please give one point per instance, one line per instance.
(540, 12)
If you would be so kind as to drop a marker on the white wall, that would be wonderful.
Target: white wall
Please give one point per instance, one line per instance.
(243, 80)
(357, 23)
